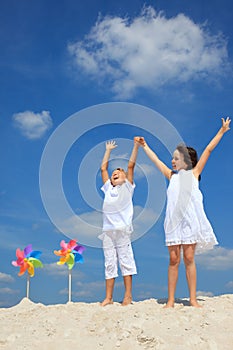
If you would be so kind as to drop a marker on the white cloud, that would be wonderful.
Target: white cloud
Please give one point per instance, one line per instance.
(6, 278)
(145, 170)
(201, 293)
(33, 125)
(8, 291)
(54, 269)
(149, 51)
(148, 217)
(85, 289)
(87, 224)
(216, 259)
(230, 285)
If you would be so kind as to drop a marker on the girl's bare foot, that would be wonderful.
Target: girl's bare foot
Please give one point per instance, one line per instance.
(106, 301)
(126, 301)
(169, 304)
(194, 303)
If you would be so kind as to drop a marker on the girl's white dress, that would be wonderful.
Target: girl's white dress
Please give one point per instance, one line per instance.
(185, 220)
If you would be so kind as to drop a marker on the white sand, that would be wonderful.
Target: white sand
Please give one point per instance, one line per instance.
(142, 325)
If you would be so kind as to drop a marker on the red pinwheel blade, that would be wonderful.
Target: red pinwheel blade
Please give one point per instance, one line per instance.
(20, 254)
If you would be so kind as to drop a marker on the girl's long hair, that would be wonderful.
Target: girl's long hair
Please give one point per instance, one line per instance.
(190, 156)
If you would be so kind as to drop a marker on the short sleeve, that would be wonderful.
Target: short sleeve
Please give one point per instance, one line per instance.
(105, 187)
(130, 186)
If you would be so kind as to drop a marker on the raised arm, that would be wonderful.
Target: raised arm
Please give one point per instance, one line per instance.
(210, 147)
(167, 172)
(132, 161)
(109, 146)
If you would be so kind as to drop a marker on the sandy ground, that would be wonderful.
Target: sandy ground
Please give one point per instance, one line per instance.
(141, 325)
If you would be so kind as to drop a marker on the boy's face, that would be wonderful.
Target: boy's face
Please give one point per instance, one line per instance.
(118, 177)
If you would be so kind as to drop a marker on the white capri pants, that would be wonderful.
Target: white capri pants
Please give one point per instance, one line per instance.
(118, 249)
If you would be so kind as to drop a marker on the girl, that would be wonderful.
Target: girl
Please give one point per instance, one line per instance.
(186, 225)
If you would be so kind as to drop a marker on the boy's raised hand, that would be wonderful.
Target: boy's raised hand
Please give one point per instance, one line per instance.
(110, 145)
(140, 140)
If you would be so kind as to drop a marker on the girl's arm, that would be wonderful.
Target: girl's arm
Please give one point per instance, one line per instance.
(132, 162)
(110, 145)
(213, 143)
(167, 172)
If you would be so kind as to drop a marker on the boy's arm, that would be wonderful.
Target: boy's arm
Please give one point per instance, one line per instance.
(109, 146)
(210, 147)
(132, 162)
(167, 172)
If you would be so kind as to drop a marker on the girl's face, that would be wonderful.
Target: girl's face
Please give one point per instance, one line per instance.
(118, 177)
(178, 161)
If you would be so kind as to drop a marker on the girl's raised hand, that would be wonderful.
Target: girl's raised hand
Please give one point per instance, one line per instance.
(140, 140)
(226, 124)
(110, 145)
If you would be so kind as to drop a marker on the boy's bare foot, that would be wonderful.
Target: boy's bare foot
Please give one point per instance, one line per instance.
(194, 303)
(126, 301)
(168, 305)
(106, 302)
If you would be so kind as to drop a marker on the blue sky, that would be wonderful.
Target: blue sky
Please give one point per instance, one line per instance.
(77, 73)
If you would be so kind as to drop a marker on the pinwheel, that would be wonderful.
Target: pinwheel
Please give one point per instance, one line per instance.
(69, 254)
(27, 260)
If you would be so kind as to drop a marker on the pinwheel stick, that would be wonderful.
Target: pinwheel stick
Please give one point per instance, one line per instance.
(70, 285)
(28, 285)
(69, 254)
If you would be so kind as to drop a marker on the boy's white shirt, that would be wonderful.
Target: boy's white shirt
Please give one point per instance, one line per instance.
(118, 206)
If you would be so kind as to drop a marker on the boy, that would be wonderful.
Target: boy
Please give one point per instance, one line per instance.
(117, 224)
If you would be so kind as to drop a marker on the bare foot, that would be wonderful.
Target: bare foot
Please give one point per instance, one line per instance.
(126, 301)
(195, 304)
(169, 305)
(106, 302)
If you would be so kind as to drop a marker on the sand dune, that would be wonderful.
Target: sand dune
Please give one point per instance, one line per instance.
(142, 325)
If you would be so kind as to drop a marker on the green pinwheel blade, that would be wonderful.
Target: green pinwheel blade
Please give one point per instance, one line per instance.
(35, 262)
(70, 261)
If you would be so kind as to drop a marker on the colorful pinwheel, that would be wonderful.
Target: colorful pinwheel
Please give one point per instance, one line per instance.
(27, 260)
(70, 253)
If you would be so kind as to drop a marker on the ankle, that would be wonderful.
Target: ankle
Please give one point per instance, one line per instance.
(127, 300)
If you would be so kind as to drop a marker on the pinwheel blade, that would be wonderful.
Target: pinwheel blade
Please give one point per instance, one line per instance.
(79, 258)
(63, 244)
(70, 262)
(31, 270)
(20, 254)
(27, 250)
(79, 249)
(72, 243)
(57, 252)
(35, 262)
(35, 254)
(23, 268)
(62, 261)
